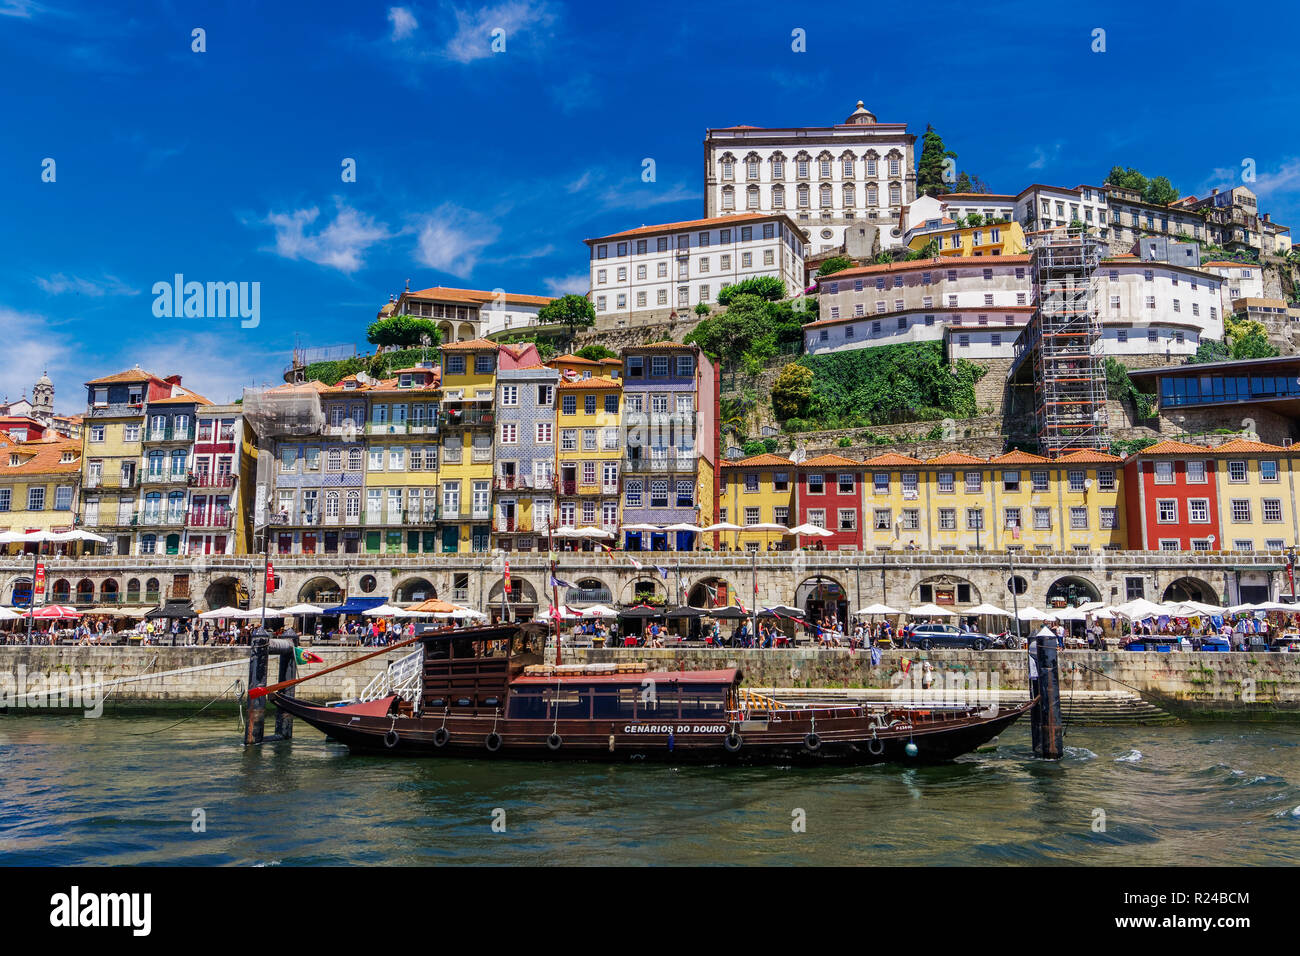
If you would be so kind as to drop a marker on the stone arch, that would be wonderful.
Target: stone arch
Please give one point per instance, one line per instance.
(132, 590)
(1188, 588)
(465, 332)
(945, 590)
(320, 588)
(152, 590)
(414, 589)
(60, 591)
(110, 592)
(819, 595)
(448, 332)
(85, 591)
(710, 592)
(20, 592)
(1075, 590)
(521, 592)
(636, 590)
(222, 592)
(589, 590)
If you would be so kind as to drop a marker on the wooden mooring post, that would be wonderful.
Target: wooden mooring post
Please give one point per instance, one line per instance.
(263, 646)
(1045, 686)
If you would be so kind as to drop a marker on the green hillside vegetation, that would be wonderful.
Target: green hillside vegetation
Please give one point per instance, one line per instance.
(877, 386)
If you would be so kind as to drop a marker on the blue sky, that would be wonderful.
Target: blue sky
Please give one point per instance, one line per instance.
(487, 170)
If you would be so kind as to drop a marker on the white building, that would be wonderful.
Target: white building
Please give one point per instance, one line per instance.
(467, 314)
(1241, 280)
(982, 302)
(1156, 308)
(644, 275)
(1040, 207)
(823, 177)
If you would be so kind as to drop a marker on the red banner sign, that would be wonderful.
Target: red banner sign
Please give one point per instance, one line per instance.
(270, 578)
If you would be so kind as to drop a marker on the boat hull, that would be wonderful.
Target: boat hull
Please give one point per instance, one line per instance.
(842, 735)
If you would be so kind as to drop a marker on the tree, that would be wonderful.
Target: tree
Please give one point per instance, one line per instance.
(792, 392)
(575, 311)
(932, 165)
(1160, 191)
(1252, 346)
(595, 353)
(741, 329)
(834, 264)
(1127, 179)
(702, 309)
(767, 287)
(403, 331)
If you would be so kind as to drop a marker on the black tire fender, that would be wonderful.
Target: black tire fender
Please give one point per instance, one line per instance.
(812, 742)
(732, 742)
(391, 739)
(492, 742)
(875, 746)
(441, 736)
(554, 742)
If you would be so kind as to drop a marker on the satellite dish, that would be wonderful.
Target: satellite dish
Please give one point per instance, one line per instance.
(363, 378)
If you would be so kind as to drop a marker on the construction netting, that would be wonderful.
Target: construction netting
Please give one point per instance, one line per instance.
(284, 411)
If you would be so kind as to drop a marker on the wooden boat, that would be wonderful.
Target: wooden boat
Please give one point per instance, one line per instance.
(485, 693)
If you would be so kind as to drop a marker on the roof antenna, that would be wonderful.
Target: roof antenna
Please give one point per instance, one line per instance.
(408, 285)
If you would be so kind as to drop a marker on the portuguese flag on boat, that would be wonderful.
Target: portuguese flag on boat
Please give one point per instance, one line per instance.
(304, 656)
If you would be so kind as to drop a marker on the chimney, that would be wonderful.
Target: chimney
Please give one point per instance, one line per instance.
(1214, 191)
(1266, 215)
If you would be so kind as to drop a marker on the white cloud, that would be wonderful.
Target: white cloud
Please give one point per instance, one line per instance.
(403, 22)
(474, 28)
(641, 195)
(451, 239)
(31, 349)
(1044, 156)
(206, 361)
(22, 9)
(58, 284)
(562, 285)
(340, 244)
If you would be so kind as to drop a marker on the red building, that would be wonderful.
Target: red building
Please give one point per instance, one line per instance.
(1171, 495)
(828, 494)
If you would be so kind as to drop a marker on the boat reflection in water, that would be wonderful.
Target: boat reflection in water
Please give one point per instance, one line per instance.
(485, 693)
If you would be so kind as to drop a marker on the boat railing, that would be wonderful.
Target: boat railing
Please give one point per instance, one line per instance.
(403, 677)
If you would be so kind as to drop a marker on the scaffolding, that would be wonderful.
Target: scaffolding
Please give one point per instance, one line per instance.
(1064, 338)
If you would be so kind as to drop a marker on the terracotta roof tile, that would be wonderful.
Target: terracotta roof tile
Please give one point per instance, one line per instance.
(43, 457)
(1017, 457)
(1174, 448)
(1086, 457)
(582, 383)
(477, 296)
(471, 345)
(827, 461)
(892, 458)
(955, 458)
(1241, 445)
(130, 375)
(764, 460)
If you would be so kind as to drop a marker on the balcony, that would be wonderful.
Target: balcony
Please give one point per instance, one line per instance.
(481, 454)
(205, 480)
(397, 428)
(420, 516)
(466, 417)
(157, 519)
(568, 487)
(163, 477)
(218, 519)
(167, 433)
(110, 482)
(451, 455)
(117, 410)
(523, 483)
(642, 466)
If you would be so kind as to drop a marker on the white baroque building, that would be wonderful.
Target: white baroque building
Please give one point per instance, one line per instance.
(823, 177)
(644, 275)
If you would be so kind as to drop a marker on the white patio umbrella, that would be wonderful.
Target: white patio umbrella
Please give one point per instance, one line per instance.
(1068, 614)
(304, 609)
(877, 609)
(599, 611)
(1030, 614)
(383, 610)
(931, 610)
(9, 615)
(1276, 606)
(1139, 609)
(592, 532)
(722, 526)
(811, 529)
(683, 526)
(987, 609)
(78, 534)
(221, 612)
(642, 527)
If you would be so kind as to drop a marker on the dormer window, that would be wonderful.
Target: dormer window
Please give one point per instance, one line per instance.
(66, 458)
(135, 395)
(406, 380)
(350, 384)
(14, 461)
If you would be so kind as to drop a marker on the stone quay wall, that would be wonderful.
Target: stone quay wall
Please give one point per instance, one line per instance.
(1232, 684)
(863, 577)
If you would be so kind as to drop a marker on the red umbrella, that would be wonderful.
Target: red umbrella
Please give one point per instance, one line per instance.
(56, 611)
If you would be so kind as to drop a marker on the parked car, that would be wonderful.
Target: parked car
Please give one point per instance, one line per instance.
(926, 636)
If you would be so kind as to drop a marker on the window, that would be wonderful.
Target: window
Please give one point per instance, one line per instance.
(1240, 510)
(947, 482)
(1195, 472)
(1042, 519)
(1237, 471)
(816, 484)
(848, 519)
(1166, 511)
(544, 433)
(659, 493)
(1078, 519)
(1105, 479)
(1198, 510)
(509, 395)
(1268, 470)
(974, 481)
(1039, 480)
(36, 498)
(974, 519)
(509, 433)
(1164, 472)
(1109, 518)
(947, 519)
(1075, 479)
(1271, 507)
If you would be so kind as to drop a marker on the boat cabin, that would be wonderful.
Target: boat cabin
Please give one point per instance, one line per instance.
(469, 670)
(646, 696)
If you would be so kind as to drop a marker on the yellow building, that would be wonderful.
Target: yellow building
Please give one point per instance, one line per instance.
(755, 490)
(589, 448)
(466, 426)
(989, 239)
(402, 474)
(112, 442)
(1256, 496)
(39, 482)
